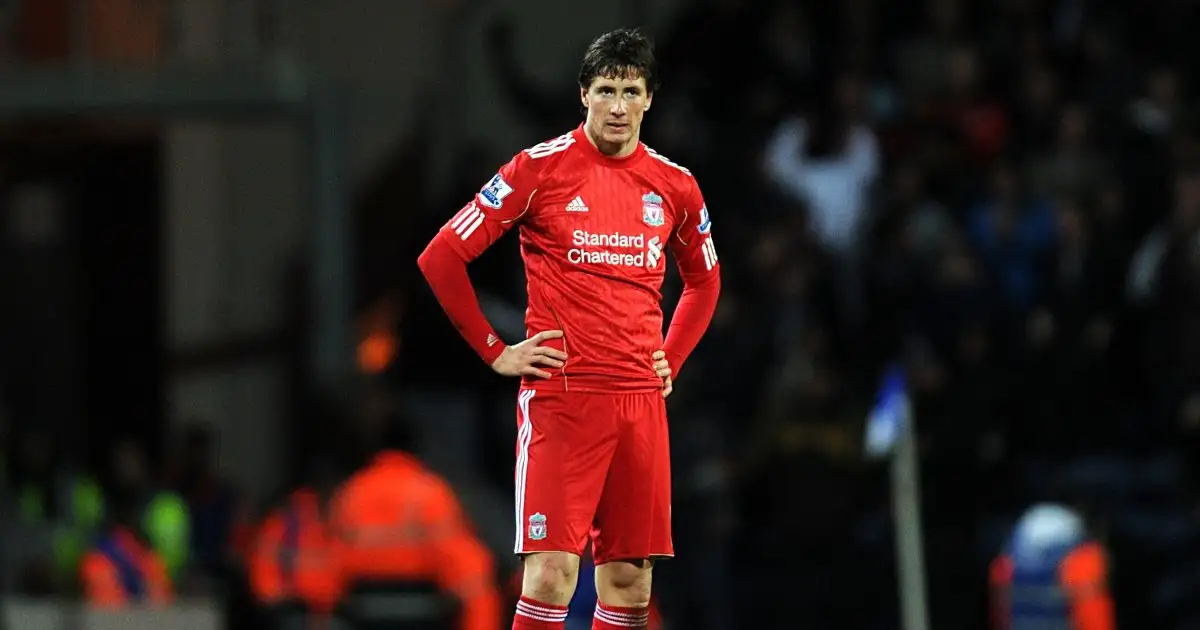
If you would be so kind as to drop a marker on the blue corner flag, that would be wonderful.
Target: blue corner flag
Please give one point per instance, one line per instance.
(891, 412)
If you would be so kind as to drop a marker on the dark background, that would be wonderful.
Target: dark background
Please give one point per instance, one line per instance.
(1003, 195)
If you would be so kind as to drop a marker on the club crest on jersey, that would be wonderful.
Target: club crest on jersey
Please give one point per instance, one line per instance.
(494, 192)
(537, 526)
(652, 210)
(705, 223)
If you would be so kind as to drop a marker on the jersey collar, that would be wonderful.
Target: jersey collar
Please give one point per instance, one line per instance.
(592, 152)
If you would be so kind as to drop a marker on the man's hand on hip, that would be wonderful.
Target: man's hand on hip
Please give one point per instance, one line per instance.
(523, 358)
(663, 368)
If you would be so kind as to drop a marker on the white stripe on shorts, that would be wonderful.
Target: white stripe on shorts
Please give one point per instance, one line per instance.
(524, 437)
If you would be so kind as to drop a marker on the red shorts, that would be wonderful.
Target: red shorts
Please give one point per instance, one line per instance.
(593, 464)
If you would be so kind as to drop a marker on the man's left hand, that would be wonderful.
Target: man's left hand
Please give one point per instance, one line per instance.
(663, 369)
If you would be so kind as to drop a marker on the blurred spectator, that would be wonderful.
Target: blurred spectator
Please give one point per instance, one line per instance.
(1035, 103)
(966, 110)
(398, 522)
(1051, 574)
(1106, 74)
(123, 568)
(922, 54)
(296, 557)
(55, 512)
(827, 162)
(1073, 167)
(214, 504)
(165, 522)
(1013, 230)
(1157, 112)
(1163, 277)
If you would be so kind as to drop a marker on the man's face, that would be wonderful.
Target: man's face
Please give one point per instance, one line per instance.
(615, 106)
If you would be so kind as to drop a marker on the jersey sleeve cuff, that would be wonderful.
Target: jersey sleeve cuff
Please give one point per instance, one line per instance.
(492, 352)
(675, 360)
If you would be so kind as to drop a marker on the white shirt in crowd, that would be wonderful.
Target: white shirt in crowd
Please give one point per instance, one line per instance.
(836, 188)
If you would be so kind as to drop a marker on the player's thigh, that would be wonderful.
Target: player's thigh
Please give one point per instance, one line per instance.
(633, 519)
(565, 443)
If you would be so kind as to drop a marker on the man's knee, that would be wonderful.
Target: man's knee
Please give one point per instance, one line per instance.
(624, 583)
(550, 577)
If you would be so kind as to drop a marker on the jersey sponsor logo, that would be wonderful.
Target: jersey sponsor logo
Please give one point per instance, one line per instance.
(494, 192)
(654, 252)
(710, 253)
(652, 210)
(606, 249)
(705, 223)
(577, 205)
(467, 221)
(537, 526)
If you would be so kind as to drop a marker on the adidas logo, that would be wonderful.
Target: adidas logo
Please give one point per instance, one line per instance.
(492, 340)
(577, 205)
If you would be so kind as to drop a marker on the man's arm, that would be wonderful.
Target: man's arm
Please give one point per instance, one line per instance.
(494, 210)
(447, 276)
(696, 256)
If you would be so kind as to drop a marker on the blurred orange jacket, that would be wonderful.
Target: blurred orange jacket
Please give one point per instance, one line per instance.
(296, 556)
(122, 571)
(397, 520)
(1082, 581)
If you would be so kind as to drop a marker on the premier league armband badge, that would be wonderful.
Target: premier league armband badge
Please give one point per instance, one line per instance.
(494, 192)
(705, 223)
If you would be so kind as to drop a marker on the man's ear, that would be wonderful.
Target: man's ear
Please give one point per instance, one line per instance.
(583, 97)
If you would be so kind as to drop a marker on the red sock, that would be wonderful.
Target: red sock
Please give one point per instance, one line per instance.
(534, 615)
(617, 618)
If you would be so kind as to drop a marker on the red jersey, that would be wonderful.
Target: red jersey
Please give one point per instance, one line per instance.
(593, 230)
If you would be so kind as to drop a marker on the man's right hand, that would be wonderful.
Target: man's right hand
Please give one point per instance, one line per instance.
(523, 358)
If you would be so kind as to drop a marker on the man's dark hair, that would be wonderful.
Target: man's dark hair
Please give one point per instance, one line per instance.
(625, 52)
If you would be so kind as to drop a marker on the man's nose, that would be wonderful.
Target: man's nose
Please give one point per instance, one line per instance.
(618, 107)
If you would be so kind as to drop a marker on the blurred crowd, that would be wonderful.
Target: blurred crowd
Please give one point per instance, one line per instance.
(69, 528)
(362, 523)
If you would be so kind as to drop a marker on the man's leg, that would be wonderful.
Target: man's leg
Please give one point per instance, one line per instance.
(622, 594)
(564, 446)
(633, 520)
(546, 589)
